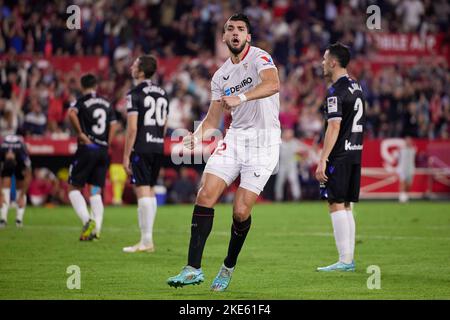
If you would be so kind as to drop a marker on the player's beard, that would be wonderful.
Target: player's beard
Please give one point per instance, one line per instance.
(237, 50)
(134, 75)
(327, 75)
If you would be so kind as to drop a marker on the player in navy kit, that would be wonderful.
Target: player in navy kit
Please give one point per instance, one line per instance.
(339, 168)
(147, 108)
(14, 161)
(93, 119)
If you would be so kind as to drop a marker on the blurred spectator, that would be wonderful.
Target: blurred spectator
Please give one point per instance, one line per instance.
(180, 112)
(295, 32)
(403, 99)
(117, 173)
(405, 168)
(61, 187)
(9, 118)
(42, 187)
(288, 167)
(411, 12)
(35, 120)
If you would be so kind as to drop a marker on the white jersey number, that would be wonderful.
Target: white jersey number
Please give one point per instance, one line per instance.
(158, 109)
(100, 115)
(359, 112)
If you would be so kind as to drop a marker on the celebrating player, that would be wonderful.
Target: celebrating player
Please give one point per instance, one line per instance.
(248, 85)
(147, 107)
(93, 119)
(339, 168)
(14, 160)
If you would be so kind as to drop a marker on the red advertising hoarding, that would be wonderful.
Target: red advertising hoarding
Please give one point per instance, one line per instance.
(379, 178)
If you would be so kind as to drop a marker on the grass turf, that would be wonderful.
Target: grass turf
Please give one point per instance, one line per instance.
(410, 243)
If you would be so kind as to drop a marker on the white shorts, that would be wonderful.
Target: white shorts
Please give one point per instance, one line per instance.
(406, 176)
(254, 164)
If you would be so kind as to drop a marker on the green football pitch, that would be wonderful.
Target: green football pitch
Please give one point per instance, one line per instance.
(409, 243)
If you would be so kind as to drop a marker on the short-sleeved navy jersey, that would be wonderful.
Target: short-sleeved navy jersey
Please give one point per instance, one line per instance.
(95, 115)
(151, 104)
(15, 144)
(345, 102)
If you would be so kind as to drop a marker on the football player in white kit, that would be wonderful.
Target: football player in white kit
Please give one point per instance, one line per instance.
(247, 84)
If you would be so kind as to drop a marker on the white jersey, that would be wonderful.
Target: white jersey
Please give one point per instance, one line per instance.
(254, 122)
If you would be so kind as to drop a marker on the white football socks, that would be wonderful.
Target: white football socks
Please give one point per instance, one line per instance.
(5, 206)
(352, 229)
(97, 209)
(79, 205)
(20, 212)
(341, 228)
(146, 215)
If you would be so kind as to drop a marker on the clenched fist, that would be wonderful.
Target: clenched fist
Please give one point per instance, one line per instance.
(190, 141)
(230, 102)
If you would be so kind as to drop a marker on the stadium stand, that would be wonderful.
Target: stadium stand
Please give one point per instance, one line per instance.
(403, 67)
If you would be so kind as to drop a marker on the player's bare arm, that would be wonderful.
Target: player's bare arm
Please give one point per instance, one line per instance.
(270, 84)
(112, 131)
(210, 122)
(331, 136)
(130, 138)
(82, 137)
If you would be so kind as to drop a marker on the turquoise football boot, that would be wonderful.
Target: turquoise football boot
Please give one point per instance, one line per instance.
(222, 280)
(188, 275)
(338, 266)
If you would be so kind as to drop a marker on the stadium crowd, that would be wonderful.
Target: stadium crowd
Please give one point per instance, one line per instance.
(34, 97)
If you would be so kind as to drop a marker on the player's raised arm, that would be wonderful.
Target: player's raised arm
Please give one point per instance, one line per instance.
(270, 84)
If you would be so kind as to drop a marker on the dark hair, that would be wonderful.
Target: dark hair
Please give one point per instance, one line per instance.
(240, 17)
(147, 64)
(340, 52)
(88, 81)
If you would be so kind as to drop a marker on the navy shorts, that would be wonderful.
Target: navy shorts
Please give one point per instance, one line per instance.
(145, 168)
(90, 165)
(344, 180)
(13, 168)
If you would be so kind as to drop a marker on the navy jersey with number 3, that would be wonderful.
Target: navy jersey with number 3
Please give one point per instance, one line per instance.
(95, 115)
(345, 101)
(151, 104)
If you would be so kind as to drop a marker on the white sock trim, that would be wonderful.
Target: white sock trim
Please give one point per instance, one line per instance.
(341, 229)
(5, 206)
(79, 205)
(97, 209)
(147, 214)
(20, 212)
(352, 233)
